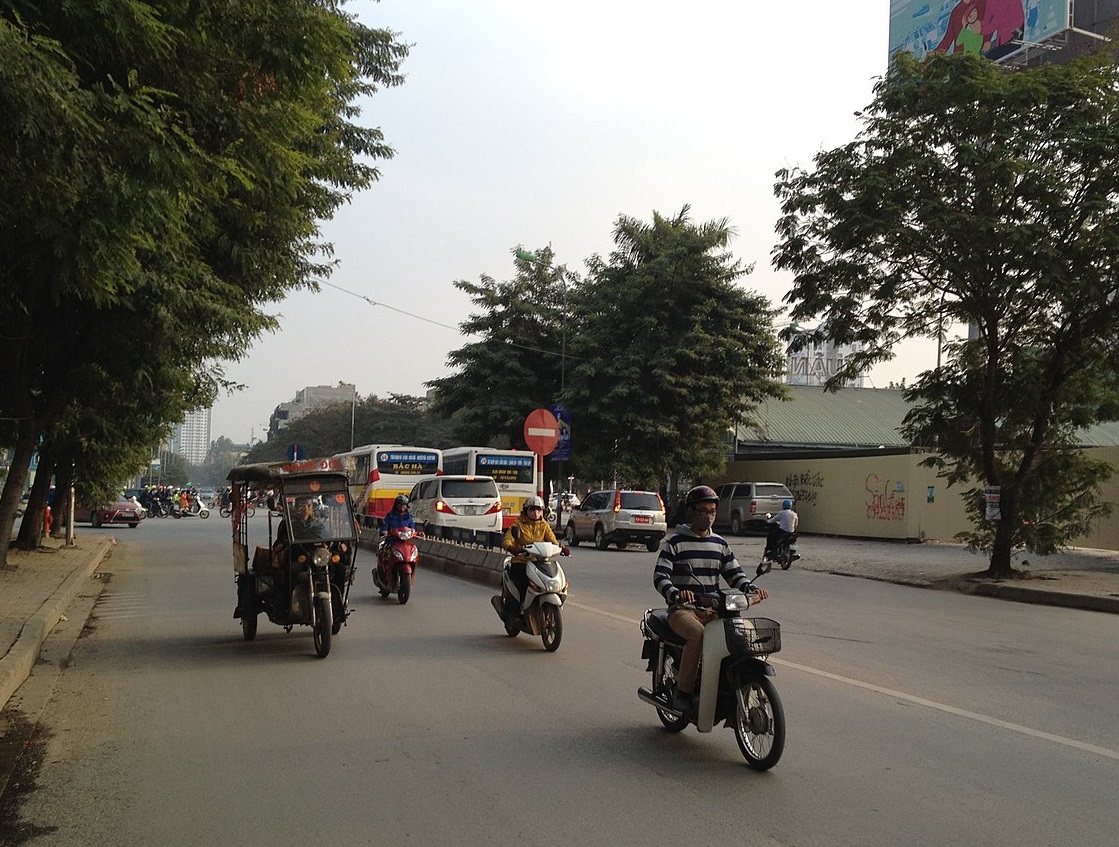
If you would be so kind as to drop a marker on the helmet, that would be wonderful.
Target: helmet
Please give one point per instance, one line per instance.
(533, 501)
(400, 500)
(700, 494)
(786, 504)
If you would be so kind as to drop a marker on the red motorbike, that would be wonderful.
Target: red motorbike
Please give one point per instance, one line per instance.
(397, 560)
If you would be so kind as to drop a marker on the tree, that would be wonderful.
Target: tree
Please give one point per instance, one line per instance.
(520, 325)
(670, 354)
(174, 160)
(982, 196)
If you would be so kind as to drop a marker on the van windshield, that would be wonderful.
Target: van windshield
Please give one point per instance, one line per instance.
(469, 488)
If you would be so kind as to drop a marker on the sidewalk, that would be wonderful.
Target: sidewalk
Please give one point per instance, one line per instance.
(35, 590)
(39, 586)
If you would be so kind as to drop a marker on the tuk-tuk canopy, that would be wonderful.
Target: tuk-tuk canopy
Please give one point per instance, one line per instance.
(268, 473)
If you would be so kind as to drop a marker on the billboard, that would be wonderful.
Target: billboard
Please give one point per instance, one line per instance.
(992, 28)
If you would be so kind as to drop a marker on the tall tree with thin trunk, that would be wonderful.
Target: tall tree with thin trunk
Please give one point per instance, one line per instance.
(988, 197)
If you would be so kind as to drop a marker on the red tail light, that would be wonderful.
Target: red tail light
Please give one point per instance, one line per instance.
(753, 507)
(659, 500)
(617, 501)
(494, 509)
(441, 506)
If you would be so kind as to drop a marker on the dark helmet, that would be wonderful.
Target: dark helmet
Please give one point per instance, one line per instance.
(400, 500)
(786, 504)
(700, 494)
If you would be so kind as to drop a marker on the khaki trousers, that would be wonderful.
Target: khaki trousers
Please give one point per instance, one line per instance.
(689, 623)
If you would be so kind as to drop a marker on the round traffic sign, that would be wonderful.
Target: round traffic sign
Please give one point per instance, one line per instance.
(541, 431)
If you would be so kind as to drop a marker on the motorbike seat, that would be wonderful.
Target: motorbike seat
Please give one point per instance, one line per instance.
(658, 623)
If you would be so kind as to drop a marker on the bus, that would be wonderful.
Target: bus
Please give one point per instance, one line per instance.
(380, 472)
(514, 471)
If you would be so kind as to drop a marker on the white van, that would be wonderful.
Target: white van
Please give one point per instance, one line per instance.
(456, 502)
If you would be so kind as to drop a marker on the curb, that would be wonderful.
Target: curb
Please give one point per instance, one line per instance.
(16, 666)
(1019, 594)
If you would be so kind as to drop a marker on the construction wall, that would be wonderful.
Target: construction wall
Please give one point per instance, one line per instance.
(889, 496)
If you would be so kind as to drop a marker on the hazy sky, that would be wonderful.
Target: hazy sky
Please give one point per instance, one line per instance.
(536, 124)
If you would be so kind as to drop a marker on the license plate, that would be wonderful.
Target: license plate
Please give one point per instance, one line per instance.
(642, 519)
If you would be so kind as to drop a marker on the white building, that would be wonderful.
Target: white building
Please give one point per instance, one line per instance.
(191, 438)
(308, 399)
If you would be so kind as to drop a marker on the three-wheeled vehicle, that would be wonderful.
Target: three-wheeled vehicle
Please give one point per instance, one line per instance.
(303, 576)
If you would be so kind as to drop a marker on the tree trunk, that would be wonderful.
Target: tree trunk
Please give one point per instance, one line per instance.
(64, 479)
(13, 485)
(31, 528)
(1004, 537)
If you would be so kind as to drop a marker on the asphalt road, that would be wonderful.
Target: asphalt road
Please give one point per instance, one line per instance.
(915, 717)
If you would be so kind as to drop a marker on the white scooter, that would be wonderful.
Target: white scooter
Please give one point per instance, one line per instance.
(539, 610)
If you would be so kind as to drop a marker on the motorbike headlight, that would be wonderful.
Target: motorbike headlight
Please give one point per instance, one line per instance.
(736, 602)
(321, 557)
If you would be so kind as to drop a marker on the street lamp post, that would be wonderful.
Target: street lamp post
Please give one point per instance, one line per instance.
(531, 258)
(353, 412)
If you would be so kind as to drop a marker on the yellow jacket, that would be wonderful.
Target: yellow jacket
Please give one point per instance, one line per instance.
(528, 532)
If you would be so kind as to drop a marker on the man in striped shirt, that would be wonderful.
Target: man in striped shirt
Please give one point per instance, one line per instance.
(688, 569)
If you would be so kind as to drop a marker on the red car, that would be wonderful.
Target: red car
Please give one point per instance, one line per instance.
(121, 511)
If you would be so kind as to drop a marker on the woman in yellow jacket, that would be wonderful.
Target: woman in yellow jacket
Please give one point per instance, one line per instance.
(528, 528)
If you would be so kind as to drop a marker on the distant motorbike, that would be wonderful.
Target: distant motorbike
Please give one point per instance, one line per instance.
(539, 611)
(197, 507)
(783, 553)
(397, 560)
(734, 678)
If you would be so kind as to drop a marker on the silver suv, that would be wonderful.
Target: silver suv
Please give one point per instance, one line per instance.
(743, 505)
(615, 516)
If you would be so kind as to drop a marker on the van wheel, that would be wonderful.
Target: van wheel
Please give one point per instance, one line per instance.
(652, 544)
(569, 535)
(600, 538)
(735, 524)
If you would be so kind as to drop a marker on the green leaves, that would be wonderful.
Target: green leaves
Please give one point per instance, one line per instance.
(664, 352)
(981, 196)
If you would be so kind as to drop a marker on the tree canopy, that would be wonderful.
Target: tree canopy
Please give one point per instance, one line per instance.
(662, 353)
(168, 166)
(981, 196)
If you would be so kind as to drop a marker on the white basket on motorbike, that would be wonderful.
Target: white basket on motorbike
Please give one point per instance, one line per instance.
(756, 636)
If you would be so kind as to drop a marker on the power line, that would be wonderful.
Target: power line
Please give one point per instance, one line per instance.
(372, 302)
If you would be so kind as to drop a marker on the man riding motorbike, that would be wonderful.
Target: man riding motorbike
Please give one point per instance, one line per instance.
(528, 528)
(781, 526)
(688, 569)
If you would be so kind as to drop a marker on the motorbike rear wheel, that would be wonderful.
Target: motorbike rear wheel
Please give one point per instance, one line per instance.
(324, 624)
(759, 723)
(551, 627)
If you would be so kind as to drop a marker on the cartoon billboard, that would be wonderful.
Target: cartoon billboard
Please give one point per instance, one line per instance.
(992, 28)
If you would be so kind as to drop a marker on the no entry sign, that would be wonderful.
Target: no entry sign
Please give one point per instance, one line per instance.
(541, 432)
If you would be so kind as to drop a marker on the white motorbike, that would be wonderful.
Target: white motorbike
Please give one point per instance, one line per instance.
(539, 610)
(734, 678)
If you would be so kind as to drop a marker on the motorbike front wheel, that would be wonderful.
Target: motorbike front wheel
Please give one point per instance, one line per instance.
(551, 627)
(403, 587)
(759, 723)
(324, 625)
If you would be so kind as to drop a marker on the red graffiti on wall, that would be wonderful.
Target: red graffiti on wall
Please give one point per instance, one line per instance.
(883, 502)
